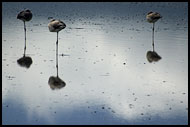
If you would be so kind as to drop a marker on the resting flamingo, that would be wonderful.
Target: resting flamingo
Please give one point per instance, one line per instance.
(25, 16)
(152, 17)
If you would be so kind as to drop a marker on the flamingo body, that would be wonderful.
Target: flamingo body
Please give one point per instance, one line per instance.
(56, 25)
(152, 17)
(25, 15)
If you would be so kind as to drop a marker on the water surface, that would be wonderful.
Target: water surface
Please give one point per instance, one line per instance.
(102, 60)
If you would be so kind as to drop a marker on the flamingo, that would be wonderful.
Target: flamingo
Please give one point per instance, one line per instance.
(152, 17)
(56, 26)
(25, 16)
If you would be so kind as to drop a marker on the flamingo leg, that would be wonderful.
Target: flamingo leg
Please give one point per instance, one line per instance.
(153, 37)
(25, 38)
(57, 54)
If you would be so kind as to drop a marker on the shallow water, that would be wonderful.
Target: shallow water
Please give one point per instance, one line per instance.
(102, 60)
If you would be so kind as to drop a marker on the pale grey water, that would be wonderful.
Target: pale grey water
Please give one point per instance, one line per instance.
(108, 78)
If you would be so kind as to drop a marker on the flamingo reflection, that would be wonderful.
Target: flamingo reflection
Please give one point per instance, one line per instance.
(152, 56)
